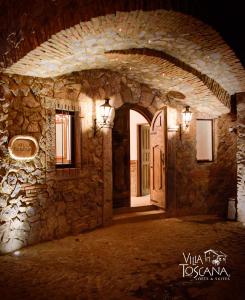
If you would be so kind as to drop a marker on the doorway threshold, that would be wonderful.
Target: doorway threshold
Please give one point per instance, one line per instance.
(137, 214)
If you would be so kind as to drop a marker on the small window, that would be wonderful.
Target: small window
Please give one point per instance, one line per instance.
(64, 122)
(204, 140)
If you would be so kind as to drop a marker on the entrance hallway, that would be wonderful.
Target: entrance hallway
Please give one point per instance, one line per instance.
(127, 261)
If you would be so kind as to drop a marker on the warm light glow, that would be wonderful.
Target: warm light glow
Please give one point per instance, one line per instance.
(23, 147)
(187, 115)
(172, 119)
(106, 112)
(63, 138)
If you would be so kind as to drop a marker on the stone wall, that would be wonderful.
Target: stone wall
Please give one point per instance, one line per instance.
(23, 185)
(204, 187)
(39, 202)
(241, 156)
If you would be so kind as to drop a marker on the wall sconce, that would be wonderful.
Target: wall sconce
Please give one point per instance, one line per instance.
(187, 115)
(107, 114)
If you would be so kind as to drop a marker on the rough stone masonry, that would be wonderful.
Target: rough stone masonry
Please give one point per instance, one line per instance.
(39, 202)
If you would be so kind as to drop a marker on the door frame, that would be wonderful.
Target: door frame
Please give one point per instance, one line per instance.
(141, 110)
(139, 170)
(148, 116)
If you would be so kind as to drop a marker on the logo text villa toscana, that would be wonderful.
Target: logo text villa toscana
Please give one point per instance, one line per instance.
(208, 266)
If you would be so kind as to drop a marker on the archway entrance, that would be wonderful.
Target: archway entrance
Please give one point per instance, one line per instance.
(139, 160)
(138, 157)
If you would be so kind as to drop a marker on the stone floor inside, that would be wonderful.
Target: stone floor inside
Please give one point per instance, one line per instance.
(140, 201)
(133, 260)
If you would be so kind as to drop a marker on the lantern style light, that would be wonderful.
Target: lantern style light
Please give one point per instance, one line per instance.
(107, 114)
(187, 115)
(106, 111)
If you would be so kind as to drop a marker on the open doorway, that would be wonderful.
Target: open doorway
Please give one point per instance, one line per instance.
(139, 160)
(131, 157)
(143, 172)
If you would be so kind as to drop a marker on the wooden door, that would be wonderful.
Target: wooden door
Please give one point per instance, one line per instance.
(158, 159)
(145, 159)
(121, 158)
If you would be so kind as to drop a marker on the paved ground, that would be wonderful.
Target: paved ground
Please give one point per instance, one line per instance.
(127, 261)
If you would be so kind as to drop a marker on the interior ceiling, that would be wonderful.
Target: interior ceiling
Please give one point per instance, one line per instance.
(214, 72)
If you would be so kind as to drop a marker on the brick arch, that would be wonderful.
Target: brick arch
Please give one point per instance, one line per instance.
(195, 93)
(143, 111)
(215, 87)
(182, 37)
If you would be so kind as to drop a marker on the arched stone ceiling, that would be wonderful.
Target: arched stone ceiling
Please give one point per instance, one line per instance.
(180, 35)
(26, 24)
(166, 77)
(86, 46)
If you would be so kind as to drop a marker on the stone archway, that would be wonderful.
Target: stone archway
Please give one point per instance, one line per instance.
(121, 156)
(194, 62)
(70, 50)
(90, 205)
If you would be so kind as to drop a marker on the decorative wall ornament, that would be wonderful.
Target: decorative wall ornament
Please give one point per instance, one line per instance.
(23, 147)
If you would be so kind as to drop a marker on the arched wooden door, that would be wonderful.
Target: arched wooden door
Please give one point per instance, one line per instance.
(158, 159)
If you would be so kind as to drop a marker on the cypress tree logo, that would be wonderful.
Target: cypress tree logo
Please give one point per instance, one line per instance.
(211, 265)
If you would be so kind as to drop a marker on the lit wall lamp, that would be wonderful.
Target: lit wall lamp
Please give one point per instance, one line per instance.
(187, 115)
(106, 114)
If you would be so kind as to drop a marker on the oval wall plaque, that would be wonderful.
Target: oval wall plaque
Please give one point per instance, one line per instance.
(23, 147)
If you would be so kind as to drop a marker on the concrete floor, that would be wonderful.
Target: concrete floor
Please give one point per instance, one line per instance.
(134, 260)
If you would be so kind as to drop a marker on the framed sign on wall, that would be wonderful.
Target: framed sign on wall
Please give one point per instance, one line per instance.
(23, 147)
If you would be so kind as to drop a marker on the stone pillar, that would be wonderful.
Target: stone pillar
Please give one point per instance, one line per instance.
(240, 98)
(107, 175)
